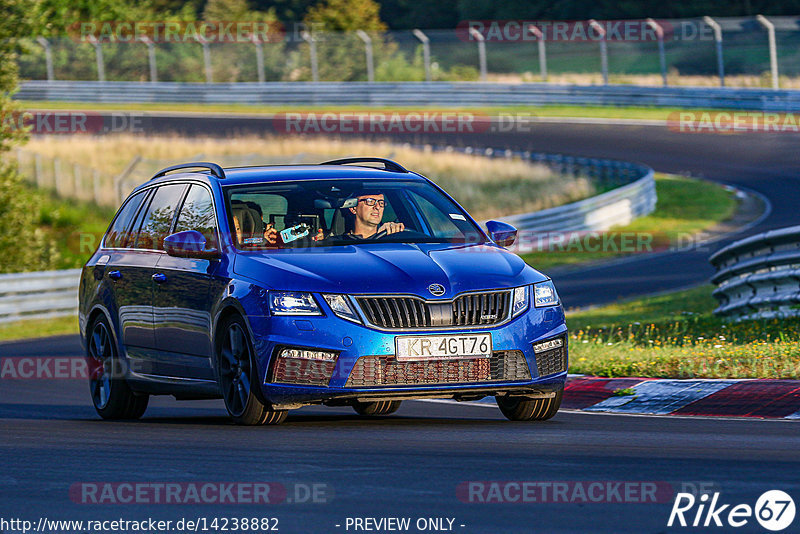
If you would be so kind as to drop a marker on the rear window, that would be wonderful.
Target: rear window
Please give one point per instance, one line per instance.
(158, 219)
(197, 213)
(120, 228)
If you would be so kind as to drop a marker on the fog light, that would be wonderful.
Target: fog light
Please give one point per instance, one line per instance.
(304, 354)
(304, 366)
(548, 345)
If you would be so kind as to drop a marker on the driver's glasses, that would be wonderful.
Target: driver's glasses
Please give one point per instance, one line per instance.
(372, 201)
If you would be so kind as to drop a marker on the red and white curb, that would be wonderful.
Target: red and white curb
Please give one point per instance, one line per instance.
(760, 398)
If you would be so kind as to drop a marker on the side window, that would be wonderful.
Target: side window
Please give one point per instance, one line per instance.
(197, 213)
(158, 219)
(441, 226)
(118, 233)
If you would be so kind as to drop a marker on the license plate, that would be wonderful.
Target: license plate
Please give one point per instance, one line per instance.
(411, 348)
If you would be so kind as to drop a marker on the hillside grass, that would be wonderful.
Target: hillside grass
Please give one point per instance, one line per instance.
(677, 336)
(486, 187)
(685, 207)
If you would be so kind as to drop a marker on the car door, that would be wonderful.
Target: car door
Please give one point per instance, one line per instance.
(135, 266)
(181, 303)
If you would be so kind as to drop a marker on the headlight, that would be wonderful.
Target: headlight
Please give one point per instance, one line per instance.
(292, 303)
(341, 307)
(544, 294)
(520, 300)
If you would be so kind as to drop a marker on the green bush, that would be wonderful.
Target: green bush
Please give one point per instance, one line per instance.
(24, 246)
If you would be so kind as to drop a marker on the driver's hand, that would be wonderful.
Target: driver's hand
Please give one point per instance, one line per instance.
(271, 234)
(391, 227)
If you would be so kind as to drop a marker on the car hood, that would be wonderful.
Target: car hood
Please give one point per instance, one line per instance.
(388, 268)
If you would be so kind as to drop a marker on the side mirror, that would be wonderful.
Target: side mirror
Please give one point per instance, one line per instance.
(189, 244)
(501, 233)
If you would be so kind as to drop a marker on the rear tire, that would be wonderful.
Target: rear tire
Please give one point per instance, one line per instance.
(525, 409)
(376, 408)
(237, 373)
(112, 397)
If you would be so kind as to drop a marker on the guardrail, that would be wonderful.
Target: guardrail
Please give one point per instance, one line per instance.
(389, 94)
(40, 295)
(759, 276)
(55, 293)
(632, 195)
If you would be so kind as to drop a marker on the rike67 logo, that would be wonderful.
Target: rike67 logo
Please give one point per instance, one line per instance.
(774, 510)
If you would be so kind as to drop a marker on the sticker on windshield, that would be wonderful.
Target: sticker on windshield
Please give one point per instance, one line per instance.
(458, 217)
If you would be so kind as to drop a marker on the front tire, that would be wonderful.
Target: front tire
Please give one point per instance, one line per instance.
(237, 373)
(526, 409)
(111, 395)
(376, 408)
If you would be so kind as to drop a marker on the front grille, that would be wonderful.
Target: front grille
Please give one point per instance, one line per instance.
(302, 371)
(552, 361)
(474, 309)
(503, 366)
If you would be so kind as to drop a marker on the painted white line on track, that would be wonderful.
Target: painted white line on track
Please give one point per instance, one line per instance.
(787, 420)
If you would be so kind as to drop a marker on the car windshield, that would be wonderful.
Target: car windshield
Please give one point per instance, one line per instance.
(315, 213)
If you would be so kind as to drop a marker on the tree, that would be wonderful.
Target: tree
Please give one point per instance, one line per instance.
(347, 16)
(22, 246)
(339, 49)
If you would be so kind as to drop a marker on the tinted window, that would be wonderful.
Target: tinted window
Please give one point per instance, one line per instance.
(158, 220)
(197, 214)
(120, 228)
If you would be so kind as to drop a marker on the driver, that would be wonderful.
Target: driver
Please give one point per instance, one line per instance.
(368, 214)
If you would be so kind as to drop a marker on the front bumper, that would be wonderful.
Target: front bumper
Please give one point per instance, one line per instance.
(352, 341)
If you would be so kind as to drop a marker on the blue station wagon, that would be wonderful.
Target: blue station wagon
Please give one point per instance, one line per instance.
(352, 282)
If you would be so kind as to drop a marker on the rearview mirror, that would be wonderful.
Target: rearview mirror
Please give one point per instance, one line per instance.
(501, 233)
(189, 244)
(326, 203)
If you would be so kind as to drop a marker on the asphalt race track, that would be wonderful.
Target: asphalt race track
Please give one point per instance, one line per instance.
(416, 462)
(410, 464)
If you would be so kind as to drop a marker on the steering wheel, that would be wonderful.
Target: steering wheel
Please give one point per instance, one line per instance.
(384, 233)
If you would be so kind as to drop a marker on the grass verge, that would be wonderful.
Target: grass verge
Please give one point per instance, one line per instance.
(599, 112)
(677, 336)
(35, 328)
(685, 207)
(74, 225)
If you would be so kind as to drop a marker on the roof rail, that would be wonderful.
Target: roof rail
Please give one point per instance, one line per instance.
(388, 164)
(215, 169)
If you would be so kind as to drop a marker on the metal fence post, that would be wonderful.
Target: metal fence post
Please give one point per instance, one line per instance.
(76, 176)
(206, 58)
(259, 58)
(603, 48)
(48, 57)
(57, 177)
(98, 56)
(151, 57)
(98, 192)
(481, 51)
(38, 175)
(662, 59)
(542, 52)
(773, 52)
(312, 46)
(368, 49)
(718, 38)
(426, 52)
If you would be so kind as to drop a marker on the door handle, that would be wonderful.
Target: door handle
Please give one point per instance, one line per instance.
(160, 278)
(115, 275)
